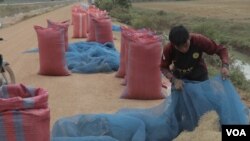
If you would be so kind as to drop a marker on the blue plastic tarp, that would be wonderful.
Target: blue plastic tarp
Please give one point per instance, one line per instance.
(180, 111)
(92, 57)
(99, 125)
(88, 138)
(116, 28)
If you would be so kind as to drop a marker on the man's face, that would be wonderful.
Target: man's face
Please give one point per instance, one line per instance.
(184, 47)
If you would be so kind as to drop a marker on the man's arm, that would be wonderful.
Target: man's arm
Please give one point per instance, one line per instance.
(210, 47)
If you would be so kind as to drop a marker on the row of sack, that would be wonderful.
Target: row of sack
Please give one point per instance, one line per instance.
(140, 59)
(53, 39)
(91, 23)
(53, 44)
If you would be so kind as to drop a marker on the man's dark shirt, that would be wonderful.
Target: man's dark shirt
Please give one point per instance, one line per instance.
(191, 65)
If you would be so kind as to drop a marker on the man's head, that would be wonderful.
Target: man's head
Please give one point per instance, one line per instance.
(179, 37)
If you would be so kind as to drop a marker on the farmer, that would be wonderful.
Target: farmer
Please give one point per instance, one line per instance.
(184, 54)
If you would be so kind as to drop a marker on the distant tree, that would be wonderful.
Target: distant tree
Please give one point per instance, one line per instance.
(123, 3)
(1, 1)
(110, 4)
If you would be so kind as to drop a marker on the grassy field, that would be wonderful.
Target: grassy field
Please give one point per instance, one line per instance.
(232, 10)
(229, 19)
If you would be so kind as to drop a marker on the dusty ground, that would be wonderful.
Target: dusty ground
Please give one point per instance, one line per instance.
(235, 10)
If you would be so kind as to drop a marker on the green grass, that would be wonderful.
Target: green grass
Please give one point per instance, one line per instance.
(236, 35)
(232, 34)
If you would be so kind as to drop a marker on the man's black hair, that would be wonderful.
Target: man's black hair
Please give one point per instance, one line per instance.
(178, 35)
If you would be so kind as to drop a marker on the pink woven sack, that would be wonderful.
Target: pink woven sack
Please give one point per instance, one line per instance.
(125, 37)
(143, 73)
(51, 46)
(91, 28)
(76, 9)
(25, 115)
(91, 10)
(64, 25)
(80, 25)
(94, 14)
(103, 30)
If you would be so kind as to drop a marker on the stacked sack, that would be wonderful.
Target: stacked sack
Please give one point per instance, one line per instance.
(126, 34)
(52, 44)
(92, 23)
(79, 21)
(24, 113)
(140, 64)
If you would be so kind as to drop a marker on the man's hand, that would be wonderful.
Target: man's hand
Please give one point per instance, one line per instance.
(224, 72)
(178, 84)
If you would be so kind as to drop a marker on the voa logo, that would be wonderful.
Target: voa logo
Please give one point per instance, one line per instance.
(236, 132)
